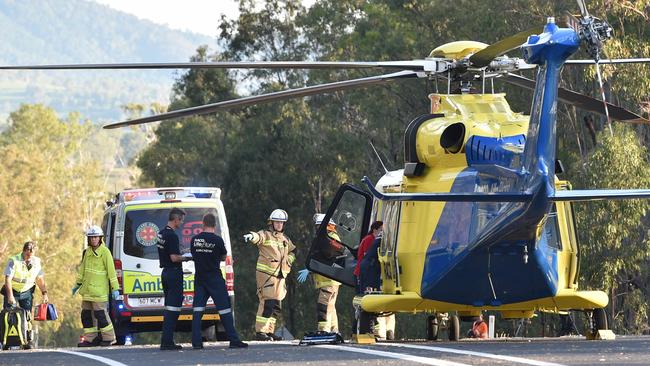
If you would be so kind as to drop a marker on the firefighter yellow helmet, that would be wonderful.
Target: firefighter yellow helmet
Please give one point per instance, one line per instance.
(279, 215)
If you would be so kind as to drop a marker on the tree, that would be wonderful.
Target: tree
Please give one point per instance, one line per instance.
(52, 192)
(614, 243)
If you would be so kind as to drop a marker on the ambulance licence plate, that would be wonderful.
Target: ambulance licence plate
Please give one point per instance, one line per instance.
(150, 301)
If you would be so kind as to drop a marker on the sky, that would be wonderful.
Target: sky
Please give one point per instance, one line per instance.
(198, 16)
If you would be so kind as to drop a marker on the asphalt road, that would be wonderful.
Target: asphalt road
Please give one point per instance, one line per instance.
(537, 351)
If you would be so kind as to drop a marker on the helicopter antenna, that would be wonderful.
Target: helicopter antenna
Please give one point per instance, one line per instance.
(378, 157)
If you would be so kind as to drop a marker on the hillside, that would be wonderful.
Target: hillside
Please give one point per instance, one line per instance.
(76, 31)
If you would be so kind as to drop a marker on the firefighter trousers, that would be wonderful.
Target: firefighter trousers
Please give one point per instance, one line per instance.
(271, 290)
(326, 309)
(96, 321)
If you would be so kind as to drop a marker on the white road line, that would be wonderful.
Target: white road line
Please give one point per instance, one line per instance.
(474, 353)
(101, 359)
(401, 356)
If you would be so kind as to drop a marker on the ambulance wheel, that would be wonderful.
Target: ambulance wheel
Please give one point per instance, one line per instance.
(120, 339)
(454, 328)
(432, 327)
(600, 319)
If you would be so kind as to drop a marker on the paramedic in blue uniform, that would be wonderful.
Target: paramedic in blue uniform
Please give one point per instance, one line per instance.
(208, 250)
(169, 255)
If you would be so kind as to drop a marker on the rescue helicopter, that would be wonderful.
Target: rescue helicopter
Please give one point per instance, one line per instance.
(478, 204)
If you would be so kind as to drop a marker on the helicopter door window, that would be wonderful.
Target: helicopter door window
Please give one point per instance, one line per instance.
(333, 249)
(391, 221)
(551, 230)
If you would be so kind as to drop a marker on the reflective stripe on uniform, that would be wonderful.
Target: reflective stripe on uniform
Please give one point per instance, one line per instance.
(274, 243)
(96, 271)
(199, 308)
(225, 311)
(106, 328)
(323, 326)
(261, 319)
(90, 330)
(268, 269)
(173, 308)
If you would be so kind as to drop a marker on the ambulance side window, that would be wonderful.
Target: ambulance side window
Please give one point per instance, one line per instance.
(107, 227)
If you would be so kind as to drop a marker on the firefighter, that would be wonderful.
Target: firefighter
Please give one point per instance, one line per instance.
(22, 274)
(328, 289)
(170, 258)
(95, 279)
(208, 251)
(276, 255)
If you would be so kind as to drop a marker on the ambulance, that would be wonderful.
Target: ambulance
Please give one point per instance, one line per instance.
(131, 224)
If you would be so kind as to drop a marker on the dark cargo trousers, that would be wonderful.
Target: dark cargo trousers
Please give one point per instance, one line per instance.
(212, 285)
(172, 282)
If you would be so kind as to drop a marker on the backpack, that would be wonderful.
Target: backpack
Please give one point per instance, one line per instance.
(14, 327)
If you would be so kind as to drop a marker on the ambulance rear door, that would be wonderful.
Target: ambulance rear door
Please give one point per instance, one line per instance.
(140, 266)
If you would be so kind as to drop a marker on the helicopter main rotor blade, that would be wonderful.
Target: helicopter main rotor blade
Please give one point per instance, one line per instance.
(483, 57)
(581, 101)
(415, 65)
(609, 61)
(269, 97)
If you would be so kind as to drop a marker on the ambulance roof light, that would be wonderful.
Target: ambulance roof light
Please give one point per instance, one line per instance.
(168, 194)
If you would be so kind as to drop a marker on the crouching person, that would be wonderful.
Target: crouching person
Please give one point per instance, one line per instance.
(208, 250)
(96, 277)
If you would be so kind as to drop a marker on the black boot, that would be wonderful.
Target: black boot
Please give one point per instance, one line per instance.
(262, 337)
(274, 337)
(238, 344)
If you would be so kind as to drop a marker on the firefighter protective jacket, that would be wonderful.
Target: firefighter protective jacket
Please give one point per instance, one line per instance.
(24, 278)
(321, 281)
(277, 253)
(95, 272)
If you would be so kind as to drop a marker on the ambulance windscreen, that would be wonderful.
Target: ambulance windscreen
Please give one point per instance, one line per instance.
(141, 229)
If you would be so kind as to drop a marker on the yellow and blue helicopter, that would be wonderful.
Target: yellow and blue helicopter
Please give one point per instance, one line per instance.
(477, 218)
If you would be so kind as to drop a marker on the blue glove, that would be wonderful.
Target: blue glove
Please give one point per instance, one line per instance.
(115, 294)
(302, 275)
(75, 289)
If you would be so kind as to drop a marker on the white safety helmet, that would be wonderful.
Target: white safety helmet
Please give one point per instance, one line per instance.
(94, 231)
(318, 219)
(279, 215)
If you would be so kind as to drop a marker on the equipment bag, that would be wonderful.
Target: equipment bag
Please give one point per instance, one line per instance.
(51, 312)
(14, 327)
(40, 312)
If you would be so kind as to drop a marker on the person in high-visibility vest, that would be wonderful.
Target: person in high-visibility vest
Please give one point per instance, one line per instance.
(22, 274)
(276, 255)
(96, 278)
(328, 289)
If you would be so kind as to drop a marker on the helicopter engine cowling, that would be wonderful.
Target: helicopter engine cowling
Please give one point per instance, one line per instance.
(436, 143)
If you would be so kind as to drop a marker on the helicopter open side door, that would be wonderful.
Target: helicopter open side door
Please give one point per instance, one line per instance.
(333, 250)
